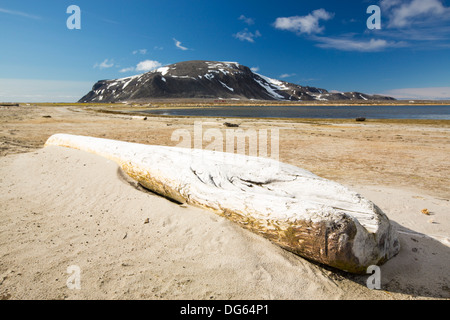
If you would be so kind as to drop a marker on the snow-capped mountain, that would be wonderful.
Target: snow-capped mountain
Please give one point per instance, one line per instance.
(210, 80)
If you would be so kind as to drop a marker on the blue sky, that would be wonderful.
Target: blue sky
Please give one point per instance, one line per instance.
(324, 44)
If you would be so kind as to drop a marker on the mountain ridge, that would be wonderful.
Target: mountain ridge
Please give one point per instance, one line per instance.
(202, 79)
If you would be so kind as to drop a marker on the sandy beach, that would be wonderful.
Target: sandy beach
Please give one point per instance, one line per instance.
(63, 207)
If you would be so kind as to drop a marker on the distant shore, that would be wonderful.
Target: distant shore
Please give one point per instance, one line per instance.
(202, 103)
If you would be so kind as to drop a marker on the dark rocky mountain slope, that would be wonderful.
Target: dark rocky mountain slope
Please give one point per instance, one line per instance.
(210, 80)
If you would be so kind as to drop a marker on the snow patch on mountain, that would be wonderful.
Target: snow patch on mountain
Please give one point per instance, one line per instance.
(225, 86)
(163, 70)
(269, 89)
(208, 80)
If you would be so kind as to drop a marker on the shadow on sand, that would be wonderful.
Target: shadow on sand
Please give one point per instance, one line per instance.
(420, 269)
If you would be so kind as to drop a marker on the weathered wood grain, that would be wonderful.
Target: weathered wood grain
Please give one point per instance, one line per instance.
(313, 217)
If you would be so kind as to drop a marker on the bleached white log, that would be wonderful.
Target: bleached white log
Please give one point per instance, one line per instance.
(311, 216)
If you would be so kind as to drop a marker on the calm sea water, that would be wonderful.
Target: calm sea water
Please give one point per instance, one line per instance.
(441, 112)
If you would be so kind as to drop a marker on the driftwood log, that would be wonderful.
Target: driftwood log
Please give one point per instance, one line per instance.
(313, 217)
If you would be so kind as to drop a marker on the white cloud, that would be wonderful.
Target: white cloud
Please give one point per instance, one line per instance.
(248, 21)
(105, 64)
(407, 13)
(246, 35)
(432, 93)
(146, 65)
(348, 44)
(287, 75)
(418, 23)
(140, 51)
(129, 69)
(304, 24)
(19, 13)
(178, 45)
(430, 35)
(254, 69)
(424, 24)
(387, 4)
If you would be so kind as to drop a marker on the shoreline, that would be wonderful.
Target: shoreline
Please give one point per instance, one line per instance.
(443, 122)
(141, 113)
(202, 103)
